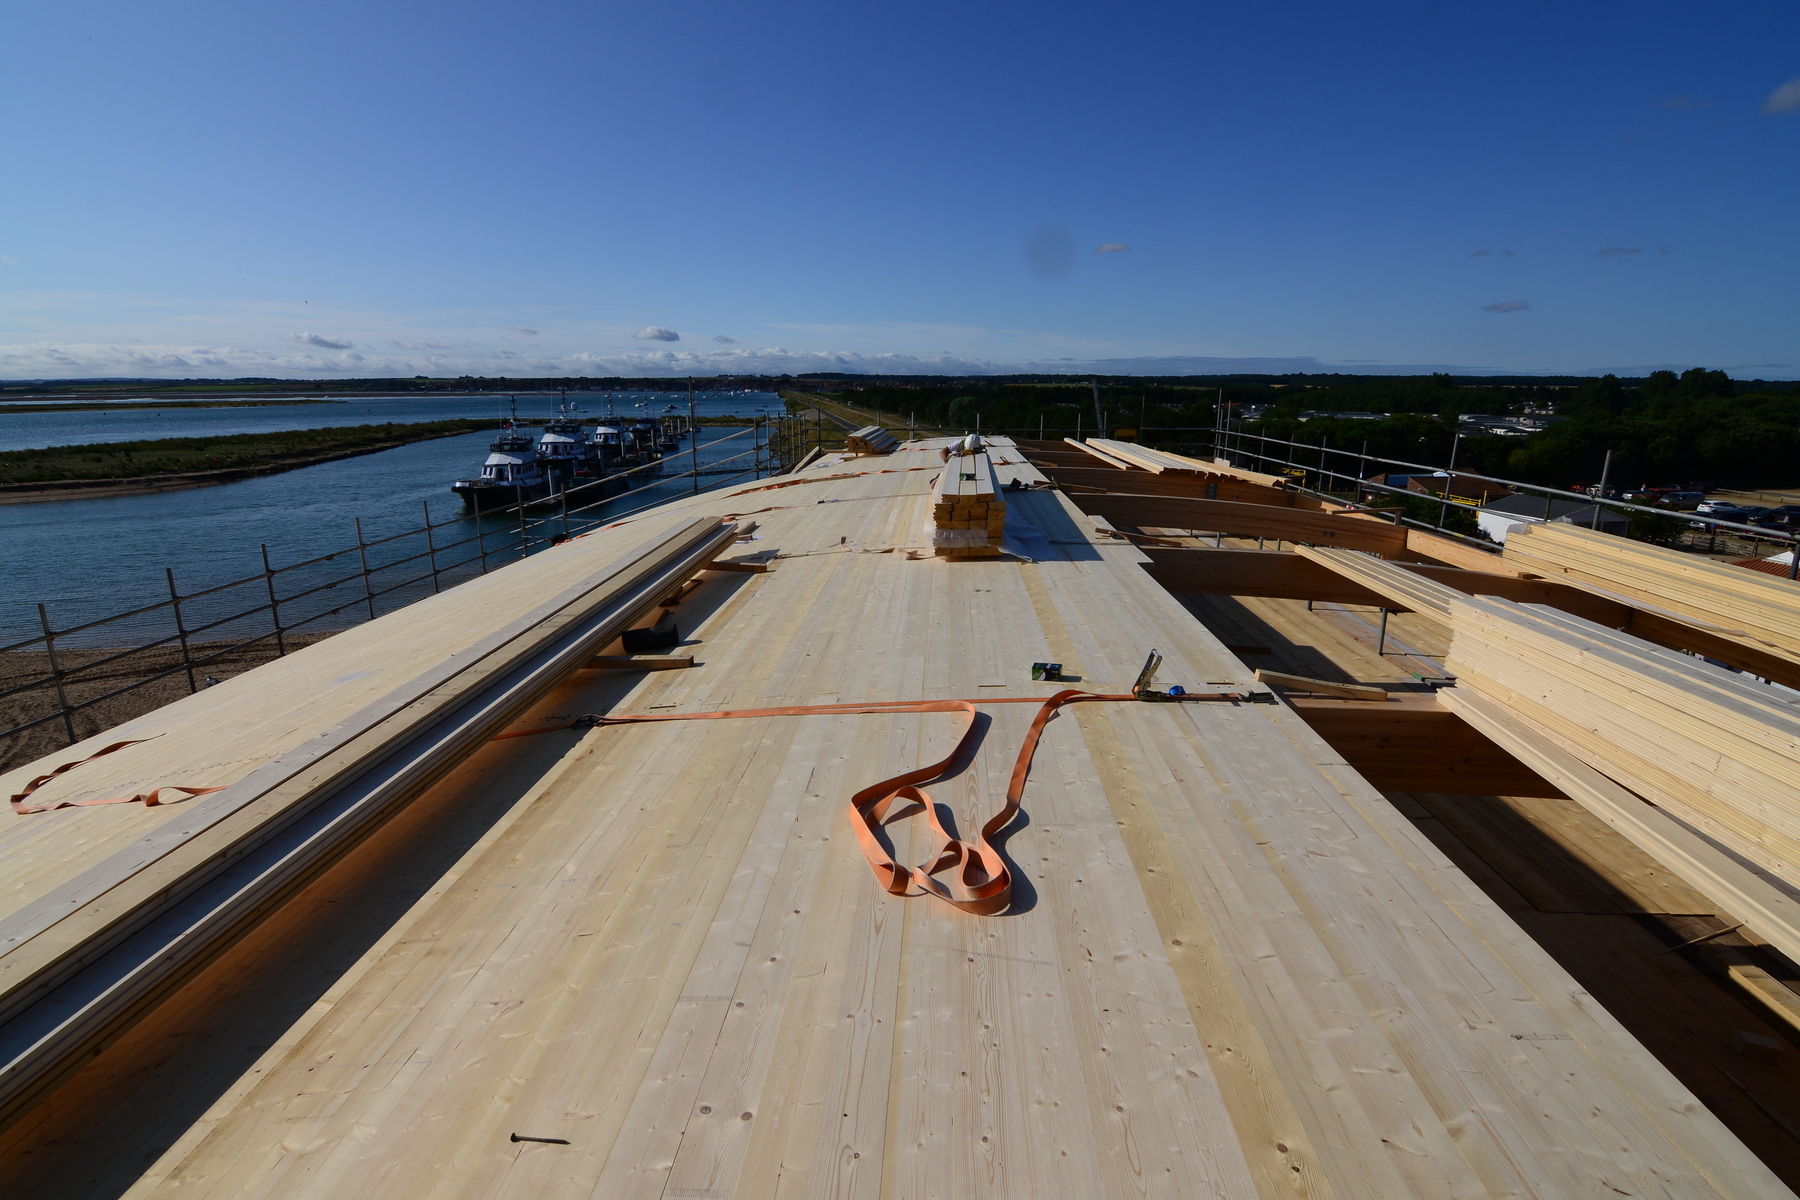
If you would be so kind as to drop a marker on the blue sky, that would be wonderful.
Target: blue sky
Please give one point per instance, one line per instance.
(333, 189)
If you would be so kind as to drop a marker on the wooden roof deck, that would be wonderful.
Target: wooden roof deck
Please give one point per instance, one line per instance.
(1232, 967)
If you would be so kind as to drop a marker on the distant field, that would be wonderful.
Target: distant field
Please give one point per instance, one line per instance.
(190, 456)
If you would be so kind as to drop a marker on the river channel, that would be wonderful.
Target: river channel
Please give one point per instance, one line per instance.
(90, 558)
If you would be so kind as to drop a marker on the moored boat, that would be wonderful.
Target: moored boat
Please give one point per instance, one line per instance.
(511, 475)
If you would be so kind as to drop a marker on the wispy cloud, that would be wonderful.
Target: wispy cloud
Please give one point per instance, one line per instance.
(1507, 306)
(421, 345)
(1677, 103)
(7, 261)
(656, 333)
(522, 329)
(1785, 98)
(46, 360)
(1112, 248)
(1493, 254)
(58, 360)
(723, 340)
(321, 341)
(1618, 251)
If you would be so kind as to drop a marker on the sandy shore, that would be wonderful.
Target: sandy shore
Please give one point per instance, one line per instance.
(23, 666)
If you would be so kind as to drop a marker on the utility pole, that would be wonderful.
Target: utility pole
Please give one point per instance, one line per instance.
(693, 437)
(1605, 470)
(1099, 419)
(1449, 482)
(1219, 424)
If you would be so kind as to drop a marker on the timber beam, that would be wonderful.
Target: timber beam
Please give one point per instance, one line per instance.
(1247, 520)
(1143, 483)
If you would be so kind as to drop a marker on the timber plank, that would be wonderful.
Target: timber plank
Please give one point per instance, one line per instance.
(1346, 1014)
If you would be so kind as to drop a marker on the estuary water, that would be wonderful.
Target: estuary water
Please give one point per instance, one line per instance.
(90, 558)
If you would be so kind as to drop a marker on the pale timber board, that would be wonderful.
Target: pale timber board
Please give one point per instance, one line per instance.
(1440, 1041)
(222, 734)
(484, 953)
(582, 977)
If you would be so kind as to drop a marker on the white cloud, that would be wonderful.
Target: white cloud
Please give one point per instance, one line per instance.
(1785, 98)
(53, 360)
(1111, 248)
(46, 360)
(656, 333)
(723, 340)
(321, 341)
(9, 262)
(522, 329)
(1506, 306)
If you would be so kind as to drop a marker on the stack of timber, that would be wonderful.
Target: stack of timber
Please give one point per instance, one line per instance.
(1421, 543)
(1232, 967)
(968, 518)
(1408, 589)
(870, 439)
(1716, 750)
(1157, 462)
(1757, 610)
(1429, 589)
(1770, 910)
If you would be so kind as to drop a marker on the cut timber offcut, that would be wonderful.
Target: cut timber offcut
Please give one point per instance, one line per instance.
(1324, 687)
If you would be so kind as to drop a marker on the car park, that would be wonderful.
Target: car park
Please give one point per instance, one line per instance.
(1719, 508)
(1787, 516)
(1685, 501)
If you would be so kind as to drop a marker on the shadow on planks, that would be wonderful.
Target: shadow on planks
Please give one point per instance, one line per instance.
(1611, 916)
(100, 1133)
(1607, 912)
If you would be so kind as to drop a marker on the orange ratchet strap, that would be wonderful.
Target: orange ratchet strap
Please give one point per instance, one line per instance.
(150, 798)
(979, 881)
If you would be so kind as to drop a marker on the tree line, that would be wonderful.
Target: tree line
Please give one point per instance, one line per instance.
(1700, 426)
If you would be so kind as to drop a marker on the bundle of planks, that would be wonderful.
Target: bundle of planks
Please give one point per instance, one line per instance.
(967, 514)
(1770, 910)
(871, 439)
(1757, 610)
(1157, 462)
(1709, 746)
(1411, 591)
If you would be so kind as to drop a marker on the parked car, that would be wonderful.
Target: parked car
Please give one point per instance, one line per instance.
(1787, 516)
(1720, 508)
(1685, 501)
